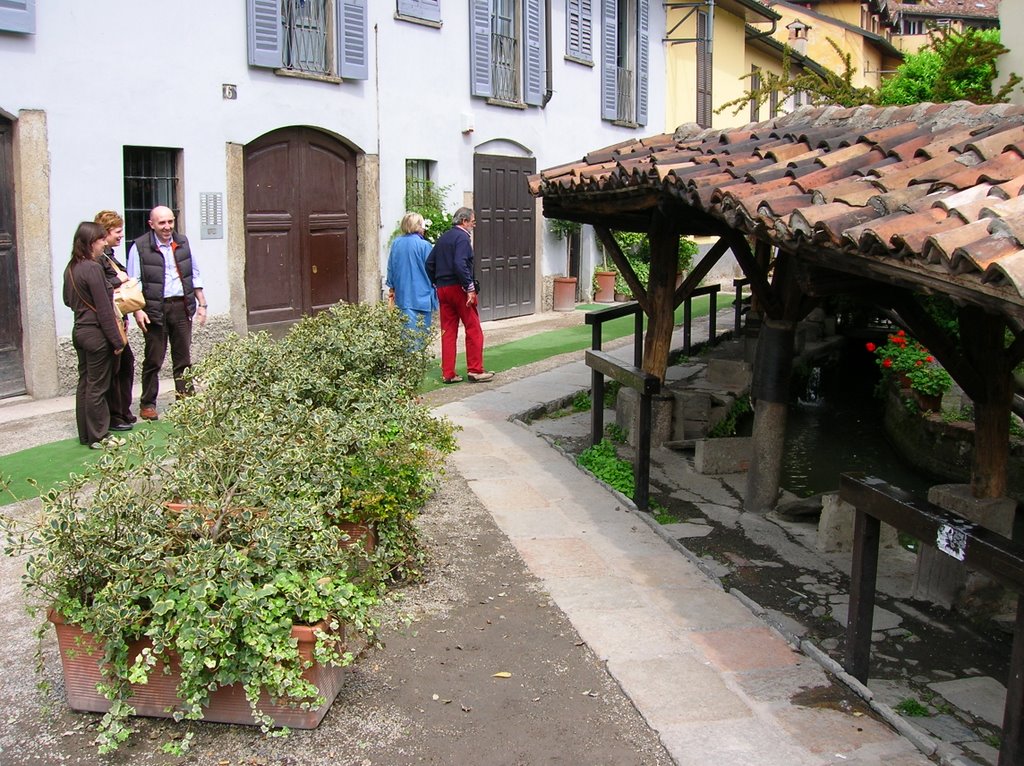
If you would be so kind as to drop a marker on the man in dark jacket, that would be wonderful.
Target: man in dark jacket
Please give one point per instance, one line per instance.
(172, 285)
(450, 268)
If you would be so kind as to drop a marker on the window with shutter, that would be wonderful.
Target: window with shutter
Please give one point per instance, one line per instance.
(508, 58)
(579, 31)
(319, 38)
(625, 60)
(425, 10)
(18, 16)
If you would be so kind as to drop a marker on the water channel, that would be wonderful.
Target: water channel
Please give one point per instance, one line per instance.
(835, 425)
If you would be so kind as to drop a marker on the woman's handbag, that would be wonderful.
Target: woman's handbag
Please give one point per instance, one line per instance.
(128, 297)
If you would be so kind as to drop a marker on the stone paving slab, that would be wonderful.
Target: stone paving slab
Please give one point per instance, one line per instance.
(980, 695)
(712, 678)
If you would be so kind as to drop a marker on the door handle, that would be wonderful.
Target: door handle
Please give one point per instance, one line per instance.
(314, 268)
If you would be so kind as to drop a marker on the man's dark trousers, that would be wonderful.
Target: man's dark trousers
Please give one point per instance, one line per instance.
(176, 328)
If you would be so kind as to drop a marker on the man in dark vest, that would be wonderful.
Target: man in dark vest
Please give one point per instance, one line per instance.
(164, 264)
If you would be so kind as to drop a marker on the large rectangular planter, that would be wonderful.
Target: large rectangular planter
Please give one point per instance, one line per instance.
(80, 656)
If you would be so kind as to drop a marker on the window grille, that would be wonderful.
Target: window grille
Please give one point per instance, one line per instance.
(417, 183)
(626, 95)
(505, 51)
(305, 36)
(150, 179)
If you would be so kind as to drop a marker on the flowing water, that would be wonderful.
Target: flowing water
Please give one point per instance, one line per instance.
(835, 426)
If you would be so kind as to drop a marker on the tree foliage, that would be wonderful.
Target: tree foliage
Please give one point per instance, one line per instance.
(952, 66)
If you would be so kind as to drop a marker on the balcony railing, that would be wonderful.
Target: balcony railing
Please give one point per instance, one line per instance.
(626, 108)
(505, 65)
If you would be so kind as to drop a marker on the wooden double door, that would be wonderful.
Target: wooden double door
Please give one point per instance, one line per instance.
(300, 226)
(504, 243)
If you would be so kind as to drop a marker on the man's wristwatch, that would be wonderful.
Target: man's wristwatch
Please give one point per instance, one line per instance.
(202, 305)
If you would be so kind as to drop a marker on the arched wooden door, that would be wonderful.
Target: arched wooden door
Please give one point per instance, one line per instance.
(12, 369)
(300, 226)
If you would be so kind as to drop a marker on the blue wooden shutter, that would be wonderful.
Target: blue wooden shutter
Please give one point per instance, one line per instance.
(480, 48)
(609, 63)
(643, 63)
(353, 53)
(533, 92)
(579, 32)
(428, 10)
(263, 18)
(18, 16)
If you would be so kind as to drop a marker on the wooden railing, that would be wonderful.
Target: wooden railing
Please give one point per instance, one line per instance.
(973, 546)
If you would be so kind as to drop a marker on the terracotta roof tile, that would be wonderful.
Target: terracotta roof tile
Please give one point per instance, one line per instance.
(998, 142)
(940, 246)
(1009, 189)
(946, 141)
(914, 242)
(876, 236)
(995, 171)
(930, 188)
(980, 254)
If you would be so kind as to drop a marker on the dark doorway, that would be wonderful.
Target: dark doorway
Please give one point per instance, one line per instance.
(503, 243)
(300, 226)
(12, 370)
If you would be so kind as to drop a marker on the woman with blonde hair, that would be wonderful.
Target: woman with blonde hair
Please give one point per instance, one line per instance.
(119, 396)
(97, 334)
(410, 287)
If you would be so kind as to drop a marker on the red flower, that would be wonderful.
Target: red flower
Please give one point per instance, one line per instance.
(887, 362)
(901, 333)
(929, 359)
(919, 362)
(870, 346)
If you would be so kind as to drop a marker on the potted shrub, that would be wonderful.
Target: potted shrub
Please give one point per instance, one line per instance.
(280, 444)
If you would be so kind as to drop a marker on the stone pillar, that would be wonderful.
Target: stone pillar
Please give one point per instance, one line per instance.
(770, 396)
(36, 259)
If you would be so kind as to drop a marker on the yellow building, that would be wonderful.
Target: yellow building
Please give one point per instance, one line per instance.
(872, 56)
(715, 50)
(706, 57)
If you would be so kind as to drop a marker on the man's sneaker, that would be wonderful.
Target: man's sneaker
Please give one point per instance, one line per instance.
(452, 379)
(148, 413)
(479, 377)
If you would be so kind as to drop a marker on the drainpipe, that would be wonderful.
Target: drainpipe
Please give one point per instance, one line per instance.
(548, 82)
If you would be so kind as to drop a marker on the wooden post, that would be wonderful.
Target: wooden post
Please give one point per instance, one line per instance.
(983, 340)
(863, 575)
(661, 289)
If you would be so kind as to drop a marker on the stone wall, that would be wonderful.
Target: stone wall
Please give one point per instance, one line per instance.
(216, 329)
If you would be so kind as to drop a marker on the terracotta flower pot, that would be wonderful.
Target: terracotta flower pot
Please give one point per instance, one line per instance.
(605, 286)
(81, 653)
(564, 294)
(926, 402)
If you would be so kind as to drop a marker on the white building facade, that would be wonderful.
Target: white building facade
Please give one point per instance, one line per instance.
(284, 133)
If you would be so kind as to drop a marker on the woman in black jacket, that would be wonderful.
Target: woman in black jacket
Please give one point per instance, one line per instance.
(119, 396)
(97, 335)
